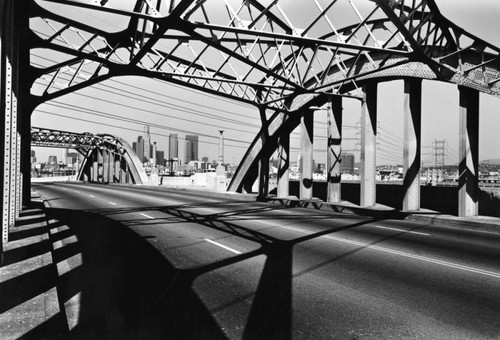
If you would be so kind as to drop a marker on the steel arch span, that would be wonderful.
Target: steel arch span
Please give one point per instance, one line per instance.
(280, 56)
(107, 159)
(262, 52)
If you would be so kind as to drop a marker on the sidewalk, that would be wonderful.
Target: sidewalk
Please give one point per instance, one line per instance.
(30, 285)
(91, 277)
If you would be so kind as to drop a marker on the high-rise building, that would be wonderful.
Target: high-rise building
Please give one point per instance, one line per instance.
(173, 146)
(160, 157)
(347, 163)
(140, 148)
(71, 157)
(191, 148)
(33, 156)
(147, 144)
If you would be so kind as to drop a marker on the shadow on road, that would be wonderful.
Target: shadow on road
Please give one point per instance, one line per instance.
(129, 290)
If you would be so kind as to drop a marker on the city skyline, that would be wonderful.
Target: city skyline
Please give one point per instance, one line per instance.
(169, 109)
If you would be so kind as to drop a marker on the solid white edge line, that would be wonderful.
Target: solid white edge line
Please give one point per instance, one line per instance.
(223, 246)
(403, 254)
(92, 196)
(145, 215)
(401, 230)
(112, 203)
(417, 257)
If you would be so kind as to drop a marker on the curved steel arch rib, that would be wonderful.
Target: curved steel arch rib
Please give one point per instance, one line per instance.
(263, 54)
(108, 159)
(259, 54)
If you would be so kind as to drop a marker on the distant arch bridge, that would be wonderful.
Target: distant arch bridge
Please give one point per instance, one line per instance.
(107, 159)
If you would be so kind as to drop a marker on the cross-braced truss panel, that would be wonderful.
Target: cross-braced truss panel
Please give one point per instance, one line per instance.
(261, 52)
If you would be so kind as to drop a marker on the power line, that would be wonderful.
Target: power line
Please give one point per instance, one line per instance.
(135, 130)
(129, 120)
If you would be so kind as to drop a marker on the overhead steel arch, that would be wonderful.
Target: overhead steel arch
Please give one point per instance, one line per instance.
(278, 56)
(107, 159)
(261, 52)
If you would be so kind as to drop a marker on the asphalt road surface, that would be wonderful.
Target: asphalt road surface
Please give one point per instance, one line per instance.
(177, 264)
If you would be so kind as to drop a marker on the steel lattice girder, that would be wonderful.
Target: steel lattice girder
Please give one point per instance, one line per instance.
(260, 52)
(82, 142)
(87, 144)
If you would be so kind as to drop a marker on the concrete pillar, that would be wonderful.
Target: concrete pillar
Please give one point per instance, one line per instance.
(283, 189)
(334, 150)
(412, 144)
(468, 152)
(306, 152)
(368, 144)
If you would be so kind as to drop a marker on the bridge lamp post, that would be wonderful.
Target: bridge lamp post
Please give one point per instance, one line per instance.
(221, 148)
(220, 184)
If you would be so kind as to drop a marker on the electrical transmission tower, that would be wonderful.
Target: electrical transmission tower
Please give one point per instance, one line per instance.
(438, 147)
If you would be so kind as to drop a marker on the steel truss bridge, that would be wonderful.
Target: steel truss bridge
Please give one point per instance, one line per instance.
(106, 158)
(286, 58)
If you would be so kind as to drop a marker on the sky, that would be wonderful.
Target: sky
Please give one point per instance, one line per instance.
(171, 109)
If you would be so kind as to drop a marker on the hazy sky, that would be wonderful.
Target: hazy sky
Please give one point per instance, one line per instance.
(171, 109)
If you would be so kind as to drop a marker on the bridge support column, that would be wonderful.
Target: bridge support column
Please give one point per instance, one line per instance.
(334, 149)
(106, 155)
(412, 143)
(117, 168)
(263, 176)
(94, 172)
(468, 152)
(264, 157)
(306, 152)
(368, 144)
(283, 189)
(9, 140)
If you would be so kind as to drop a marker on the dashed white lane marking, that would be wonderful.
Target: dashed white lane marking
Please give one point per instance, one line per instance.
(223, 246)
(112, 203)
(91, 195)
(145, 215)
(403, 254)
(401, 230)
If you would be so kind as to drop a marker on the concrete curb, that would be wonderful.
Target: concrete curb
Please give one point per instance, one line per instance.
(484, 223)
